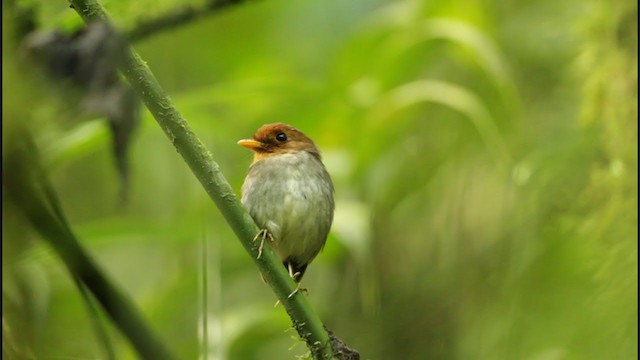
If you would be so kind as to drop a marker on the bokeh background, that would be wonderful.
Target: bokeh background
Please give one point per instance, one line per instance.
(485, 161)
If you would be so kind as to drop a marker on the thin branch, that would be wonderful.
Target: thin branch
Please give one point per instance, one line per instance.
(207, 171)
(27, 187)
(176, 18)
(94, 315)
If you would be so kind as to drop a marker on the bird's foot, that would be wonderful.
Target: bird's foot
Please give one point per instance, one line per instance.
(297, 290)
(293, 275)
(262, 234)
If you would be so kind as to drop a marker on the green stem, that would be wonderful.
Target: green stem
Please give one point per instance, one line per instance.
(30, 191)
(176, 17)
(207, 171)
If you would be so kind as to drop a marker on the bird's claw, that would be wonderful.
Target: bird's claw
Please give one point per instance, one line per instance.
(298, 289)
(293, 275)
(263, 234)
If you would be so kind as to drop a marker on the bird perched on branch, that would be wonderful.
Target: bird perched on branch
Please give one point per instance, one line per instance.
(289, 194)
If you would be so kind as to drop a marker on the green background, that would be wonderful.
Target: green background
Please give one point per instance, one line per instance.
(484, 155)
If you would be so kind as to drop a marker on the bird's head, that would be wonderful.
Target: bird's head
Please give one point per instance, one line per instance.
(278, 138)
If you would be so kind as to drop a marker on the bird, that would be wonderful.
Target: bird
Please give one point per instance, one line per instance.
(289, 194)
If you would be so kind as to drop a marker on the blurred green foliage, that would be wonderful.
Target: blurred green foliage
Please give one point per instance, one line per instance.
(485, 161)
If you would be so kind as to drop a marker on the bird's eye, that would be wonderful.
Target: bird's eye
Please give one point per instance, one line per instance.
(281, 137)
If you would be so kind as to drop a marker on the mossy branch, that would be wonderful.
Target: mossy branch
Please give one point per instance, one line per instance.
(207, 171)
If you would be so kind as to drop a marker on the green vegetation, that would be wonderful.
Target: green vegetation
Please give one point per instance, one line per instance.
(484, 156)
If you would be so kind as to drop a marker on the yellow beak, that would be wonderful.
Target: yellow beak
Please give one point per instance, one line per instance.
(250, 144)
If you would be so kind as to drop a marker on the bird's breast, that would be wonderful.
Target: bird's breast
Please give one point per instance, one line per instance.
(292, 196)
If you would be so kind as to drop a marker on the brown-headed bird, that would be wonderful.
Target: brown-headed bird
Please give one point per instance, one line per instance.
(289, 193)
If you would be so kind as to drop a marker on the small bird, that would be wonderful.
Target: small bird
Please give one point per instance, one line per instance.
(289, 194)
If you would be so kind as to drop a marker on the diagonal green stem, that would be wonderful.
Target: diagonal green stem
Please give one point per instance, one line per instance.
(28, 188)
(176, 17)
(207, 171)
